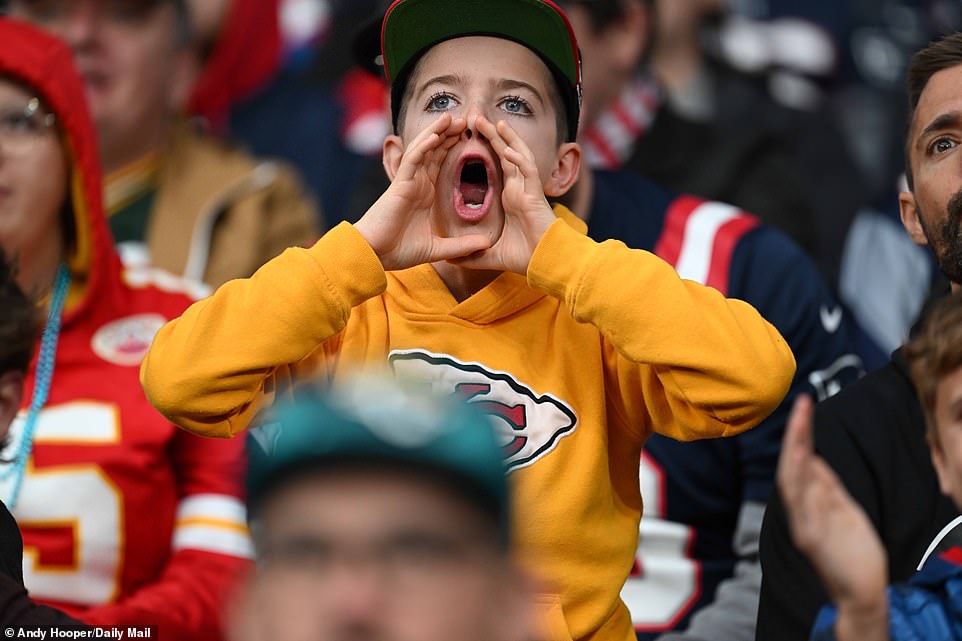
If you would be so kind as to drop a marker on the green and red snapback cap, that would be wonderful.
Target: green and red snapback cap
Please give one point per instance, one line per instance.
(411, 27)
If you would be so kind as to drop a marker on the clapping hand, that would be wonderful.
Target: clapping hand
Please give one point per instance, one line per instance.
(833, 531)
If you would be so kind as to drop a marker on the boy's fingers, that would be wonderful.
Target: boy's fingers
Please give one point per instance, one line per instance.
(456, 127)
(418, 152)
(442, 134)
(508, 168)
(453, 248)
(510, 136)
(416, 156)
(487, 128)
(439, 153)
(532, 181)
(476, 260)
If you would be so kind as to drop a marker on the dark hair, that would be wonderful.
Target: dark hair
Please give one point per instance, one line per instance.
(19, 321)
(935, 352)
(938, 56)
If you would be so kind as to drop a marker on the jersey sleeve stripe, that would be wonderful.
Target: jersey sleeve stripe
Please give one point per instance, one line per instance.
(213, 539)
(214, 523)
(670, 242)
(724, 248)
(695, 255)
(142, 277)
(220, 507)
(232, 526)
(599, 152)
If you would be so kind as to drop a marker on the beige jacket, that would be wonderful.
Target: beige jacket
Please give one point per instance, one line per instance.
(220, 214)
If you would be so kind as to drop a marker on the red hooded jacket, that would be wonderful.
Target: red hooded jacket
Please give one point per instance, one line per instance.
(126, 519)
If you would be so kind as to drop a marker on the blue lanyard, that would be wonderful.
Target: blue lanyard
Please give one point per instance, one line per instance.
(42, 380)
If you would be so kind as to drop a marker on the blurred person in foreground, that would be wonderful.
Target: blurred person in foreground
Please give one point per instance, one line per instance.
(833, 531)
(175, 198)
(872, 434)
(380, 511)
(19, 328)
(465, 276)
(126, 520)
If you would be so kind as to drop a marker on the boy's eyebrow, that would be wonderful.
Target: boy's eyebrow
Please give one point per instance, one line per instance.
(508, 84)
(949, 120)
(449, 79)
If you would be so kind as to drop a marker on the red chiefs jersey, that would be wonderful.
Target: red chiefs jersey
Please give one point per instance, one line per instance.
(126, 519)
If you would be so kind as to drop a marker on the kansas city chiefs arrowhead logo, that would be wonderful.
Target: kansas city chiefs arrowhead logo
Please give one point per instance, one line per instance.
(529, 424)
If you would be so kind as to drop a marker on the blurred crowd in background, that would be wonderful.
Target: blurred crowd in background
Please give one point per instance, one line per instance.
(793, 110)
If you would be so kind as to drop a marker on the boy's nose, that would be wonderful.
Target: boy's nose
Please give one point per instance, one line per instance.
(470, 133)
(472, 129)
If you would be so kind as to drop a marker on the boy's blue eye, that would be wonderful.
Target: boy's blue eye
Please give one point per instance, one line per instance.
(440, 102)
(516, 105)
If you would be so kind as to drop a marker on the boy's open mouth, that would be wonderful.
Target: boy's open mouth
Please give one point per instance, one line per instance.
(472, 193)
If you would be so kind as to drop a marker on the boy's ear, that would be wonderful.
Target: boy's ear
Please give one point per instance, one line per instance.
(909, 212)
(565, 171)
(391, 153)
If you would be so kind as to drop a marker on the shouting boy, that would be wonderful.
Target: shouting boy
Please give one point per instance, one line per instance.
(463, 275)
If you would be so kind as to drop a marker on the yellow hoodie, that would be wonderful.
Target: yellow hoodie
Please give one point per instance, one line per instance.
(601, 346)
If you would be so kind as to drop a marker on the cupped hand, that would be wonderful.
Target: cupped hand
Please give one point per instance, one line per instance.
(398, 225)
(527, 214)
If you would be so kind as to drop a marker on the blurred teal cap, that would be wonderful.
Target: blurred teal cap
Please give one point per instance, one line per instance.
(370, 420)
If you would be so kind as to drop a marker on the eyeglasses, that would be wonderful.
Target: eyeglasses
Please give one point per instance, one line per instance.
(22, 127)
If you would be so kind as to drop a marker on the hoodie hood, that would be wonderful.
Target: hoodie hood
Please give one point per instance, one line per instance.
(247, 53)
(43, 63)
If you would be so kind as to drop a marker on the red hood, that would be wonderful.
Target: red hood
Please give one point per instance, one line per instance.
(43, 62)
(246, 56)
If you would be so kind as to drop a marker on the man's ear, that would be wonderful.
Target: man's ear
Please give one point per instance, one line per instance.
(11, 396)
(909, 212)
(391, 153)
(565, 171)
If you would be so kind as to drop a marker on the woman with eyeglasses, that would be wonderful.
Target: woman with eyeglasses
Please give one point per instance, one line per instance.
(125, 519)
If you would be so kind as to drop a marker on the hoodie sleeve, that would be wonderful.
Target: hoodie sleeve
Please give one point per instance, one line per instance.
(212, 369)
(683, 360)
